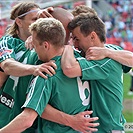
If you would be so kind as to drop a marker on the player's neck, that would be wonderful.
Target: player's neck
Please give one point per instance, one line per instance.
(56, 52)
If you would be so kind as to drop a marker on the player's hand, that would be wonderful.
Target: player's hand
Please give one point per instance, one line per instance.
(45, 13)
(96, 53)
(84, 124)
(47, 68)
(29, 43)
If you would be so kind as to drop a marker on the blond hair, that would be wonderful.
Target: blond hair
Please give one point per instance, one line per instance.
(50, 30)
(18, 10)
(83, 9)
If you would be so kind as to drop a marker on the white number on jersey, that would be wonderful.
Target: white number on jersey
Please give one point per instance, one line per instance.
(82, 88)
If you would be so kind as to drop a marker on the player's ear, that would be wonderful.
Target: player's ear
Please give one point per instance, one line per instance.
(93, 35)
(46, 45)
(18, 22)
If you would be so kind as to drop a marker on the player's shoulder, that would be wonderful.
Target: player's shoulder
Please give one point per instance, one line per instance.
(113, 46)
(6, 37)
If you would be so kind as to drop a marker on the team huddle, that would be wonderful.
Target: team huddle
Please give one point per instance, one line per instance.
(60, 84)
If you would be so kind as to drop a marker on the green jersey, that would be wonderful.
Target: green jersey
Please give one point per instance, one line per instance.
(106, 83)
(70, 95)
(29, 57)
(13, 93)
(7, 46)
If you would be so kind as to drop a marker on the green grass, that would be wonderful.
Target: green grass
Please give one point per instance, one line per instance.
(128, 114)
(126, 85)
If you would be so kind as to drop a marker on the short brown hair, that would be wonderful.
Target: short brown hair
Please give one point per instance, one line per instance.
(89, 22)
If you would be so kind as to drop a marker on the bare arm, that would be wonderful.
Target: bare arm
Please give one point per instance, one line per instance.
(77, 122)
(12, 67)
(3, 78)
(69, 64)
(122, 56)
(21, 122)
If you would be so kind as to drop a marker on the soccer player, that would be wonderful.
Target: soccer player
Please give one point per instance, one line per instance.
(93, 53)
(19, 92)
(105, 76)
(49, 37)
(77, 122)
(12, 48)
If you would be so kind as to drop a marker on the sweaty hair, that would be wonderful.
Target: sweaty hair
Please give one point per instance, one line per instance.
(50, 30)
(83, 9)
(88, 23)
(18, 10)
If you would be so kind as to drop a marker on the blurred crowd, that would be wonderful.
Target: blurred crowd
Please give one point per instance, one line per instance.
(120, 26)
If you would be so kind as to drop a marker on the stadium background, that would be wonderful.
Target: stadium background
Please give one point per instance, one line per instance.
(118, 18)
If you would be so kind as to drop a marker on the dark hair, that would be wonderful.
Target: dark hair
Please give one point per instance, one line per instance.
(89, 22)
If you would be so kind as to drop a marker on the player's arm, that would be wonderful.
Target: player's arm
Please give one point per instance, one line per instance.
(69, 64)
(12, 67)
(20, 122)
(78, 122)
(122, 56)
(3, 78)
